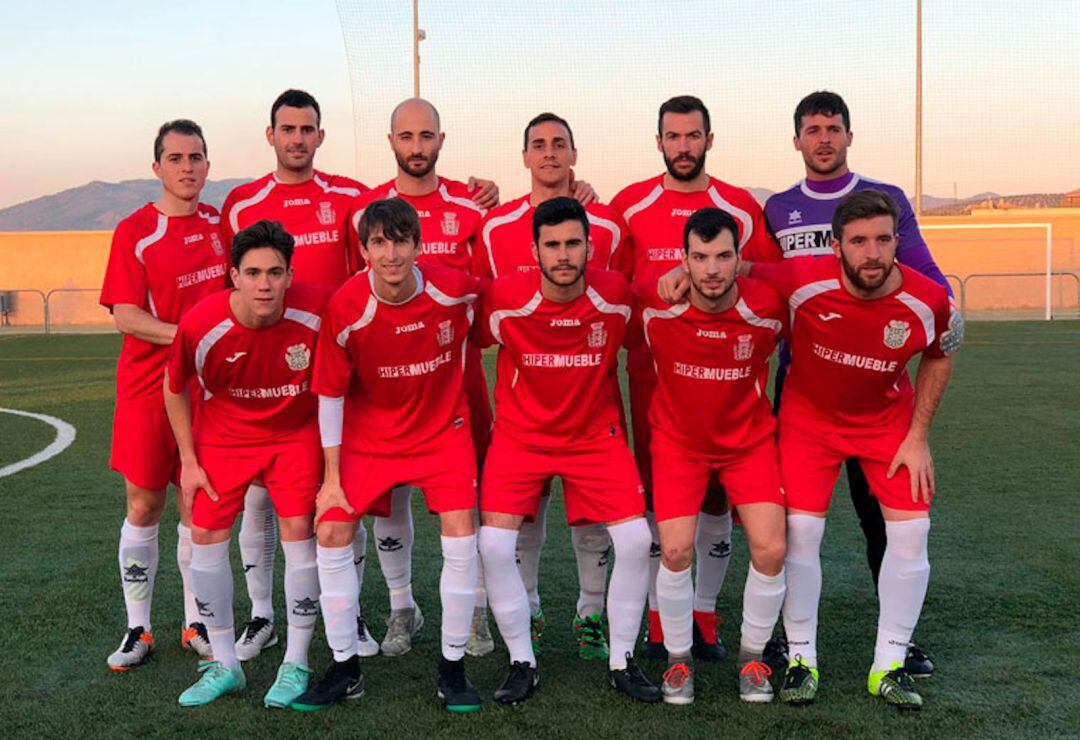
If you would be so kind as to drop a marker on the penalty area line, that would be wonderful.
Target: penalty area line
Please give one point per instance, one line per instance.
(65, 435)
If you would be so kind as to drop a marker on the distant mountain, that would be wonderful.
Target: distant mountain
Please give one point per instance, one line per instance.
(96, 205)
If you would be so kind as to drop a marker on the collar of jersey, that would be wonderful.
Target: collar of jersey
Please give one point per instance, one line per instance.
(829, 196)
(419, 287)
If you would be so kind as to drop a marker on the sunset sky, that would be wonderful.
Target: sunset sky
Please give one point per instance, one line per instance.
(87, 85)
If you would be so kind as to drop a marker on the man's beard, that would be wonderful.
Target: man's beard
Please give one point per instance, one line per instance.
(841, 160)
(699, 165)
(714, 298)
(406, 166)
(563, 282)
(853, 274)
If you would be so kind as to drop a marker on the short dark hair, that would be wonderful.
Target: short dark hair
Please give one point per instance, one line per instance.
(262, 234)
(863, 204)
(396, 217)
(822, 103)
(295, 99)
(707, 223)
(557, 210)
(179, 126)
(546, 118)
(683, 104)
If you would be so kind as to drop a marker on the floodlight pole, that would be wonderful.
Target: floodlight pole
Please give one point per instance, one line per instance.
(918, 108)
(418, 36)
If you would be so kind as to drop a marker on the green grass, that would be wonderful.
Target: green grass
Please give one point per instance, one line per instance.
(1001, 617)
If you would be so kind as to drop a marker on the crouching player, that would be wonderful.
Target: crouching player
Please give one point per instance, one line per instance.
(393, 412)
(857, 320)
(250, 350)
(557, 414)
(710, 417)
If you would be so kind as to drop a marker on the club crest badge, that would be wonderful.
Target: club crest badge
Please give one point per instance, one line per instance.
(298, 357)
(597, 334)
(326, 214)
(744, 347)
(450, 224)
(445, 333)
(215, 244)
(897, 333)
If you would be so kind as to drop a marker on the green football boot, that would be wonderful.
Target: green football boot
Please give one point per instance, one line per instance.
(292, 681)
(216, 681)
(896, 687)
(800, 684)
(536, 629)
(589, 632)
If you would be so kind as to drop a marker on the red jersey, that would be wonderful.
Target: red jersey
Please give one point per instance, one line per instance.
(849, 356)
(507, 237)
(255, 383)
(399, 366)
(713, 368)
(449, 222)
(657, 216)
(556, 361)
(315, 212)
(164, 265)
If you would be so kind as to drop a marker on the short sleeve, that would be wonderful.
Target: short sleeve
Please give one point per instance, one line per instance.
(333, 360)
(181, 362)
(125, 277)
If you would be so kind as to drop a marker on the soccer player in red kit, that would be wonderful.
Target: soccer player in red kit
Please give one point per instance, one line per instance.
(856, 322)
(164, 258)
(449, 225)
(559, 330)
(392, 411)
(549, 153)
(248, 353)
(656, 210)
(710, 418)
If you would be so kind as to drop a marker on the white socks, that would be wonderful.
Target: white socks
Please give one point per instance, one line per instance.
(803, 567)
(712, 544)
(258, 543)
(394, 543)
(675, 596)
(530, 542)
(905, 574)
(654, 561)
(591, 546)
(360, 552)
(183, 561)
(763, 596)
(138, 555)
(629, 587)
(457, 589)
(339, 599)
(301, 598)
(507, 599)
(211, 577)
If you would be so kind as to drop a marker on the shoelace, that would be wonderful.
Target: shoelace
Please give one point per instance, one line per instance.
(757, 671)
(676, 675)
(253, 628)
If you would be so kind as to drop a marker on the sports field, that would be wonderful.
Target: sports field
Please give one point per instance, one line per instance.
(1002, 618)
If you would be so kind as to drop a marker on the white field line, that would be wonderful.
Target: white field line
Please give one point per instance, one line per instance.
(65, 435)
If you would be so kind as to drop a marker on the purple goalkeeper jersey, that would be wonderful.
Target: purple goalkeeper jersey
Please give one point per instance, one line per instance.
(801, 220)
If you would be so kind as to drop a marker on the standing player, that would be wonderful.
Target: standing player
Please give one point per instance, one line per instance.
(392, 411)
(801, 219)
(558, 414)
(656, 211)
(549, 154)
(164, 258)
(449, 225)
(710, 418)
(250, 352)
(857, 320)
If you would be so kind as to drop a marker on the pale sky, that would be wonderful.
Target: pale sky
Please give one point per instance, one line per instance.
(88, 83)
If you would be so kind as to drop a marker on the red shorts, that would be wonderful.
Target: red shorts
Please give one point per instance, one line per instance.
(143, 446)
(600, 480)
(812, 449)
(639, 366)
(681, 477)
(291, 470)
(476, 394)
(446, 473)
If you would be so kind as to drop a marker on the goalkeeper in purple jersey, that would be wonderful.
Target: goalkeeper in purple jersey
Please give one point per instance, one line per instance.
(800, 218)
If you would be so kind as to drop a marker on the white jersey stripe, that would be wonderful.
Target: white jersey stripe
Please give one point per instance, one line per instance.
(360, 323)
(491, 225)
(661, 313)
(459, 201)
(234, 214)
(808, 291)
(734, 210)
(497, 317)
(616, 233)
(604, 307)
(920, 309)
(327, 188)
(439, 297)
(203, 348)
(146, 241)
(308, 319)
(754, 320)
(208, 218)
(644, 203)
(151, 304)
